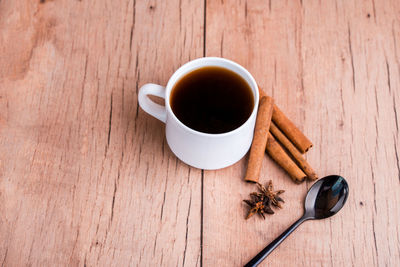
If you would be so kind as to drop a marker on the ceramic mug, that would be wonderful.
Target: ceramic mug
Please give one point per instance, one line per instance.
(198, 149)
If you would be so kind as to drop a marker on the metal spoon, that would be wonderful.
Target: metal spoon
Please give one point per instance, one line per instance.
(324, 199)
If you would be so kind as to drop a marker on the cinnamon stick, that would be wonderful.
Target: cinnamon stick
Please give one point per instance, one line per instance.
(302, 143)
(260, 139)
(291, 131)
(297, 156)
(278, 154)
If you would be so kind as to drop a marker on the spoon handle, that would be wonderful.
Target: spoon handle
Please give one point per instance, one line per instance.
(268, 249)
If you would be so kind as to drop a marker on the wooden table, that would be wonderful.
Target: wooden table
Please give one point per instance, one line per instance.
(86, 176)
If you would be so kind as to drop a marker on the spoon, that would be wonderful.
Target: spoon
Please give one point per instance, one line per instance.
(324, 199)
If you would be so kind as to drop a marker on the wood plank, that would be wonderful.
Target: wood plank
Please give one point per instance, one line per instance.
(86, 176)
(333, 69)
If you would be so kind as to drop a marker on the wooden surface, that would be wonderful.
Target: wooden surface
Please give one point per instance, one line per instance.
(87, 179)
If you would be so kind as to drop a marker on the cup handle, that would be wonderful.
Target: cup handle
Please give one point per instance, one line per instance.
(148, 105)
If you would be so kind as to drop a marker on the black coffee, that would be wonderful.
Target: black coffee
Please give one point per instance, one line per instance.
(212, 100)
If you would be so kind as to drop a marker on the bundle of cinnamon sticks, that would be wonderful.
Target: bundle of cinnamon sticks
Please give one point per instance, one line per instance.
(282, 140)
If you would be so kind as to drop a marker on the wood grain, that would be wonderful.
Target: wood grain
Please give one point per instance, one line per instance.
(87, 179)
(333, 68)
(86, 176)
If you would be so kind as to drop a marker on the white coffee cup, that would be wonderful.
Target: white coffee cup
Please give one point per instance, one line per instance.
(197, 149)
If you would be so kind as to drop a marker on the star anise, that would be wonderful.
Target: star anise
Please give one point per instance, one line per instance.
(271, 195)
(261, 201)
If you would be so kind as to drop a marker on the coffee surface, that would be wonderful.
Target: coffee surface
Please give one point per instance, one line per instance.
(212, 100)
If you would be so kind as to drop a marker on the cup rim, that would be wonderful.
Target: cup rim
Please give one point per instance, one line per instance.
(177, 76)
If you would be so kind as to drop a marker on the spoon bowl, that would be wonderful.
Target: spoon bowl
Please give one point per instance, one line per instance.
(324, 199)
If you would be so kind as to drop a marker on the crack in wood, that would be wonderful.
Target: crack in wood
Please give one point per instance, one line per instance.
(184, 40)
(137, 70)
(130, 39)
(133, 25)
(147, 174)
(397, 157)
(351, 57)
(342, 101)
(83, 82)
(222, 44)
(73, 248)
(180, 15)
(377, 134)
(98, 89)
(198, 260)
(204, 28)
(155, 244)
(376, 102)
(116, 182)
(33, 241)
(119, 65)
(5, 257)
(336, 7)
(245, 10)
(388, 76)
(373, 181)
(187, 230)
(110, 121)
(299, 42)
(163, 149)
(374, 10)
(176, 166)
(33, 159)
(201, 218)
(374, 233)
(165, 192)
(123, 101)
